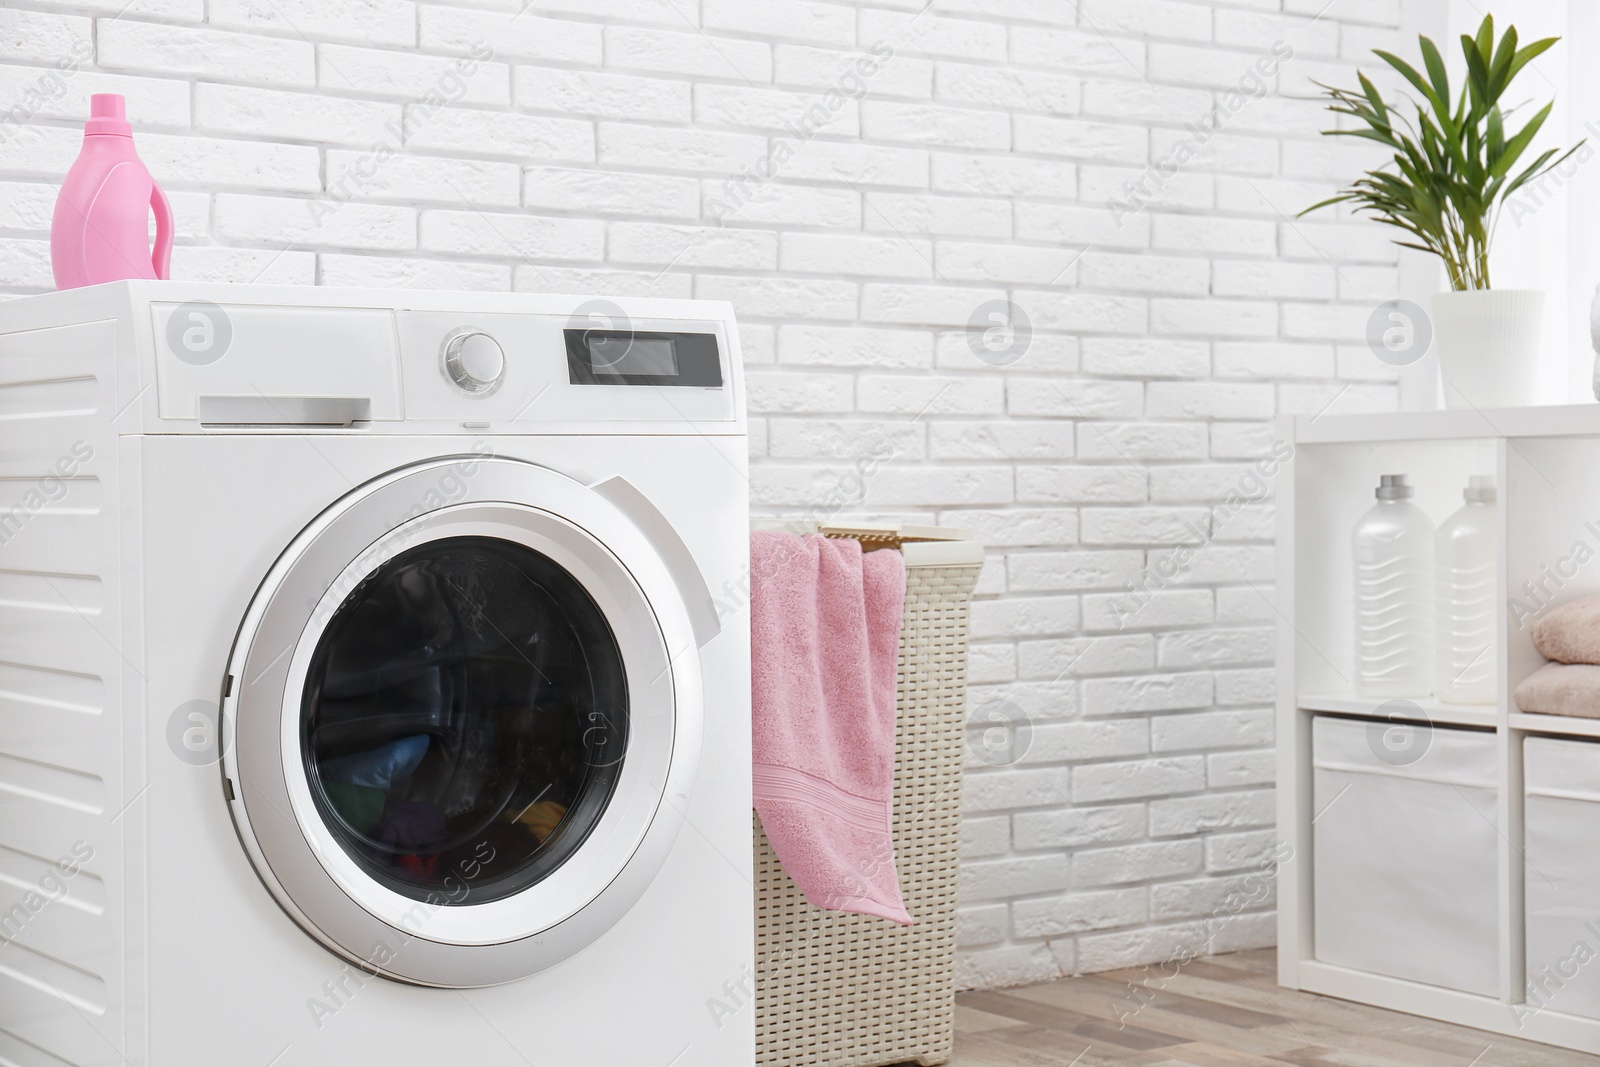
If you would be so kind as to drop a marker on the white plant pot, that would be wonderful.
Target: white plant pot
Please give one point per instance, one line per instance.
(1488, 343)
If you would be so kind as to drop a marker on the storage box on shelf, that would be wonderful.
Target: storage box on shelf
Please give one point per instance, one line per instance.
(1562, 807)
(1407, 895)
(1458, 883)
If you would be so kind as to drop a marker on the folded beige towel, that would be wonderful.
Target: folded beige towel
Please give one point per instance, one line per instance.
(1561, 689)
(1570, 633)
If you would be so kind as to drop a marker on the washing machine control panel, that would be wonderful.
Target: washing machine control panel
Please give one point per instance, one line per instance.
(497, 368)
(257, 365)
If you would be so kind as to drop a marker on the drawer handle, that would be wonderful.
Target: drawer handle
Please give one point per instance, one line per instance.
(260, 410)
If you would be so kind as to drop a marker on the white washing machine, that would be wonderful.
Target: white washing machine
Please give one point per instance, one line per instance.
(374, 683)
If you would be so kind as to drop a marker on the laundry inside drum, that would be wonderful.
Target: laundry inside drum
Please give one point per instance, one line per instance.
(464, 720)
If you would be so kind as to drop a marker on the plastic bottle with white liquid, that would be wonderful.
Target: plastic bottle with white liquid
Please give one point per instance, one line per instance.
(1464, 549)
(1393, 546)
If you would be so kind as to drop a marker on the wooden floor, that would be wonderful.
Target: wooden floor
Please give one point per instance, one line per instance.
(1226, 1011)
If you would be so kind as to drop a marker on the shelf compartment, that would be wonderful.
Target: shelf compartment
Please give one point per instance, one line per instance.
(1332, 488)
(1552, 554)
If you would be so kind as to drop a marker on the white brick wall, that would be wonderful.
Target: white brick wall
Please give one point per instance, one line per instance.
(589, 146)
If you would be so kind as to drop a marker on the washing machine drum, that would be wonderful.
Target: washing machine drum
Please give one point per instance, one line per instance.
(453, 729)
(465, 711)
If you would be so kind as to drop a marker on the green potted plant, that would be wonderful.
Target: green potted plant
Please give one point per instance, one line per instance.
(1455, 165)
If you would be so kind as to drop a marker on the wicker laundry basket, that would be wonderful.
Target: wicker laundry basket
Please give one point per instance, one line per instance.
(842, 990)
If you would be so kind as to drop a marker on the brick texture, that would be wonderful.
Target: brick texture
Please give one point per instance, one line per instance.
(1037, 261)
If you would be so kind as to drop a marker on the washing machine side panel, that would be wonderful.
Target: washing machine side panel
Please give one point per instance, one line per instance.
(68, 661)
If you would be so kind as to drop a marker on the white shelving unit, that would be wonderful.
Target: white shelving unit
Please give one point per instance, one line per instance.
(1546, 463)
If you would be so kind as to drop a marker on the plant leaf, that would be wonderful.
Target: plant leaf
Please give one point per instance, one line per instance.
(1485, 40)
(1536, 168)
(1436, 71)
(1319, 205)
(1374, 98)
(1409, 73)
(1477, 76)
(1500, 65)
(1520, 141)
(1527, 55)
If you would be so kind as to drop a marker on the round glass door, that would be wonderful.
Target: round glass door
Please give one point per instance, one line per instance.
(459, 734)
(465, 710)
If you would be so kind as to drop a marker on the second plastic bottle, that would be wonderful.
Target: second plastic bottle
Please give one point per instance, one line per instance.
(1393, 546)
(1464, 548)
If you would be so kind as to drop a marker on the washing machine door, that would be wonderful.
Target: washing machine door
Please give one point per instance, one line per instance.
(463, 715)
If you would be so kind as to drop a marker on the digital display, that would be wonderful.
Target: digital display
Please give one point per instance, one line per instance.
(633, 355)
(648, 358)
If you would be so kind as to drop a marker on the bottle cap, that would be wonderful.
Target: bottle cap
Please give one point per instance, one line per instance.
(108, 113)
(1393, 487)
(1479, 490)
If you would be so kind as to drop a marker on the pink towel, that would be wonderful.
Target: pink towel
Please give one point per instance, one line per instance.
(825, 642)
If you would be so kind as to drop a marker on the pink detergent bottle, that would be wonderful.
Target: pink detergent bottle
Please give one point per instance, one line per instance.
(101, 229)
